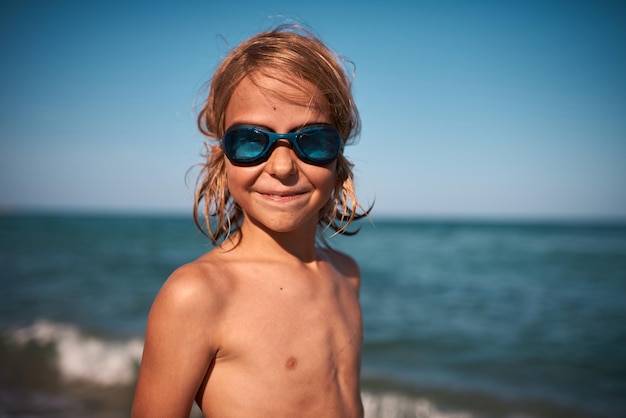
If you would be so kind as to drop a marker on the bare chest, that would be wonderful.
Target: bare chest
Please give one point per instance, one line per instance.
(295, 327)
(302, 342)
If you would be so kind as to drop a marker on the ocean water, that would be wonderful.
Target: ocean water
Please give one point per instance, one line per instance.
(461, 319)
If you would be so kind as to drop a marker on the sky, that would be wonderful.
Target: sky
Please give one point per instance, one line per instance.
(488, 109)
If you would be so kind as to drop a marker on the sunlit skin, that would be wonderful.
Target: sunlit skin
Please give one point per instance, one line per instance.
(270, 327)
(284, 194)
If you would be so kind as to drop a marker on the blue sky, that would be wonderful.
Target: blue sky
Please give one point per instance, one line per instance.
(469, 109)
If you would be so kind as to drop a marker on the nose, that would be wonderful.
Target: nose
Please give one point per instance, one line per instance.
(282, 161)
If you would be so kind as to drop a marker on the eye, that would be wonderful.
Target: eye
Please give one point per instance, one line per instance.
(320, 144)
(248, 143)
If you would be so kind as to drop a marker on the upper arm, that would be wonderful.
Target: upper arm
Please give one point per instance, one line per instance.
(181, 341)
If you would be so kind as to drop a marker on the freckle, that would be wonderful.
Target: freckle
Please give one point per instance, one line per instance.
(291, 363)
(274, 107)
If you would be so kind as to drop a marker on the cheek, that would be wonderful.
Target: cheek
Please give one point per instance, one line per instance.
(324, 179)
(238, 179)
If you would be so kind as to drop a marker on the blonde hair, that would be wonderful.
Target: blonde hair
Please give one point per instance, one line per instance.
(291, 55)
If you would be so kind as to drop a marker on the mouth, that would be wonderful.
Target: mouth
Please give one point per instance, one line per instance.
(282, 196)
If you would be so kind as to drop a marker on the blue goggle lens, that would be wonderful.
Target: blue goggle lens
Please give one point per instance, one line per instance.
(248, 145)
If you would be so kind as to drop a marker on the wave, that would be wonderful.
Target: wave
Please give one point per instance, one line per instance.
(393, 405)
(78, 356)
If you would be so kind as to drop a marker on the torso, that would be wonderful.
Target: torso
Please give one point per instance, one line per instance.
(288, 337)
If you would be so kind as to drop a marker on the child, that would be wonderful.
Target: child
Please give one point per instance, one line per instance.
(268, 323)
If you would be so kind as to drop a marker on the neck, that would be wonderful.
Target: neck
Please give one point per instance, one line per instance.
(255, 238)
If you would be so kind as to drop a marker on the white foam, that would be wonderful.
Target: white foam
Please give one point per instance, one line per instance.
(392, 405)
(81, 357)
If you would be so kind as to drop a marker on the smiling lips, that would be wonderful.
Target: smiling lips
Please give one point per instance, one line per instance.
(284, 196)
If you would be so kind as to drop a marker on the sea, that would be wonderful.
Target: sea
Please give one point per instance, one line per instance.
(462, 319)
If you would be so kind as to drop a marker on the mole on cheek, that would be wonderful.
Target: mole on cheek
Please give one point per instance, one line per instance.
(291, 363)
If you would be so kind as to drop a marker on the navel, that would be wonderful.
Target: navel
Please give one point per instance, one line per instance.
(291, 363)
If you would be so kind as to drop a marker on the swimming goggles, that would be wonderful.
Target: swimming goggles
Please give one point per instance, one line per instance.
(246, 145)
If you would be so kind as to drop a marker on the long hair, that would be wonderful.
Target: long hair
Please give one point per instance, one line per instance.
(291, 55)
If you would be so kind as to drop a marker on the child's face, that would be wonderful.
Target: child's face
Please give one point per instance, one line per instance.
(283, 193)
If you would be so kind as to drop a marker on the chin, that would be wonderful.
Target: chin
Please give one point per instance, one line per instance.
(282, 224)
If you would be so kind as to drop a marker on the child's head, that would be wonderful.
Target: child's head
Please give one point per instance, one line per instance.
(292, 56)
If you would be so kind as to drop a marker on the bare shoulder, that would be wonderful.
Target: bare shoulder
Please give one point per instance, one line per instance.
(190, 298)
(345, 264)
(195, 288)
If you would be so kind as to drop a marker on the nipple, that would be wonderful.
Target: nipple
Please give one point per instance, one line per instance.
(291, 363)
